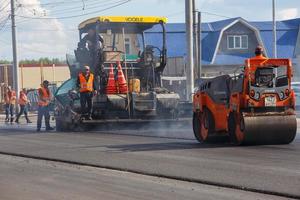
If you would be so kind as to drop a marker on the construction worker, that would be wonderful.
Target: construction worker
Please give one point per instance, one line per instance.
(23, 102)
(103, 80)
(259, 52)
(86, 85)
(95, 47)
(44, 95)
(10, 101)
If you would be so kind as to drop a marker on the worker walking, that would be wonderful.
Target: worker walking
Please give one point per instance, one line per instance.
(44, 95)
(23, 103)
(10, 101)
(86, 85)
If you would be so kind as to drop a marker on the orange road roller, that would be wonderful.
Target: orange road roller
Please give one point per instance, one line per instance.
(254, 107)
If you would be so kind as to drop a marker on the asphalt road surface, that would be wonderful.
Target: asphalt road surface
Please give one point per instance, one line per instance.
(29, 179)
(172, 156)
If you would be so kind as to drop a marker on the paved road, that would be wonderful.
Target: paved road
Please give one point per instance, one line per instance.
(28, 179)
(272, 169)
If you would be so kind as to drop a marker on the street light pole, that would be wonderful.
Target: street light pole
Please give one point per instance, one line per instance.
(14, 47)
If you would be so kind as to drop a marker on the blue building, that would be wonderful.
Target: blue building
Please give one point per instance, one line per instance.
(227, 43)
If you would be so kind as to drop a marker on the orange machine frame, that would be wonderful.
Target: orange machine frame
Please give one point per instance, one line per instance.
(240, 100)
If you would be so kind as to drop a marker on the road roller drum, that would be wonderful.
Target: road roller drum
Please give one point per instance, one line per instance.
(268, 129)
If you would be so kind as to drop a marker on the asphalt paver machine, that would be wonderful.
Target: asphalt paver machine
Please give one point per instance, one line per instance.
(124, 44)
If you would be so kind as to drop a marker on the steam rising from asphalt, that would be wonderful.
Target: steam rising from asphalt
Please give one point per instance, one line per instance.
(177, 129)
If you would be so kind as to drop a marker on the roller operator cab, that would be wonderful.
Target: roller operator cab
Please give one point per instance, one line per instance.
(255, 107)
(121, 44)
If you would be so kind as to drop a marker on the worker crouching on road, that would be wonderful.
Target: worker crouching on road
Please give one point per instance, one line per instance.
(43, 110)
(23, 102)
(86, 85)
(10, 101)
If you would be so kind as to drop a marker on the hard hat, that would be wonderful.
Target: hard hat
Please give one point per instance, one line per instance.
(45, 82)
(259, 50)
(86, 67)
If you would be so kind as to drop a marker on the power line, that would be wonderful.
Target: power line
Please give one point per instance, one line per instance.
(204, 12)
(4, 7)
(30, 10)
(47, 29)
(74, 16)
(87, 7)
(58, 3)
(4, 23)
(2, 2)
(214, 14)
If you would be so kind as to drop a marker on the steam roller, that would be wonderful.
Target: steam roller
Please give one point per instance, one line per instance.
(256, 107)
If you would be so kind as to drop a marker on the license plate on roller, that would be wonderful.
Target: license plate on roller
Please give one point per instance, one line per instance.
(270, 101)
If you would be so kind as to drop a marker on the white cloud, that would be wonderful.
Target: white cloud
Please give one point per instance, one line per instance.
(215, 1)
(38, 38)
(288, 13)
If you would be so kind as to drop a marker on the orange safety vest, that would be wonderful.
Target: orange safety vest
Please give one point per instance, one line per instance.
(86, 86)
(44, 97)
(10, 97)
(23, 100)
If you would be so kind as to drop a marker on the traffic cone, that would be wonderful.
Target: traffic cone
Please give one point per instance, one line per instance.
(111, 87)
(123, 88)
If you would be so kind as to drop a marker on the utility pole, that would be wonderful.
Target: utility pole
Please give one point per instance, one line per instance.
(189, 49)
(199, 46)
(195, 37)
(14, 47)
(274, 30)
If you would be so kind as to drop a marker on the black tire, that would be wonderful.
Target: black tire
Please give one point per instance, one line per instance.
(197, 127)
(62, 126)
(58, 125)
(211, 121)
(231, 128)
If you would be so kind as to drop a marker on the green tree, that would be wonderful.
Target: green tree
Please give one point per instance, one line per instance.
(5, 62)
(45, 60)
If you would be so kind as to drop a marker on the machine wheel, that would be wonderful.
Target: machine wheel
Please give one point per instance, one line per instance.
(62, 126)
(197, 126)
(59, 125)
(236, 126)
(203, 125)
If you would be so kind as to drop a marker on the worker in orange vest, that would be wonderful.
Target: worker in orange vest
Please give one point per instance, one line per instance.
(259, 52)
(86, 85)
(23, 103)
(45, 96)
(10, 101)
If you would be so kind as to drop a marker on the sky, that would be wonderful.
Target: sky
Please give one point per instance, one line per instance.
(48, 28)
